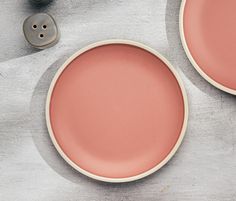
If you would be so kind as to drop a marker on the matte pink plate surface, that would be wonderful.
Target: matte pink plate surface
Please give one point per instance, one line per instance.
(210, 34)
(116, 111)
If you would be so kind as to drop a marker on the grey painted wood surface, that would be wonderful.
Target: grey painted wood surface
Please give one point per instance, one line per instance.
(203, 169)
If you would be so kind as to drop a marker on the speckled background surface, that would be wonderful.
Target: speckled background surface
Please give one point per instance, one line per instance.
(204, 167)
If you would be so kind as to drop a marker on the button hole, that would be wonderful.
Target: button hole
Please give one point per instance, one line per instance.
(41, 35)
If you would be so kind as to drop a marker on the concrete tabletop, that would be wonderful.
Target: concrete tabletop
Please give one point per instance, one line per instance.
(204, 167)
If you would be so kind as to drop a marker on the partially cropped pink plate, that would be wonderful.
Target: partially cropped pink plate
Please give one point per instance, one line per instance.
(116, 111)
(208, 31)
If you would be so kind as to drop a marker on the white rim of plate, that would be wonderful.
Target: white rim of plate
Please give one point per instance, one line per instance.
(190, 57)
(148, 172)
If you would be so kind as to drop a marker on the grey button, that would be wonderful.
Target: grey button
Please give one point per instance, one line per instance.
(41, 30)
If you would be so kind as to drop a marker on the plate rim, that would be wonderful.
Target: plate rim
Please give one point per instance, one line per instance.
(192, 60)
(173, 150)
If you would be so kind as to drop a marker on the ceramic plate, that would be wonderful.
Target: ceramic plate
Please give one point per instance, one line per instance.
(208, 34)
(116, 111)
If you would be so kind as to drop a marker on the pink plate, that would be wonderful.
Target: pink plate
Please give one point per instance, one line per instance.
(116, 111)
(209, 37)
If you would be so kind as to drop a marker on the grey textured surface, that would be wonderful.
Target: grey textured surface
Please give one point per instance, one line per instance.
(203, 169)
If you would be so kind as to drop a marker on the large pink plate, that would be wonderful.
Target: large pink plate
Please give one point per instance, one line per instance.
(116, 111)
(208, 33)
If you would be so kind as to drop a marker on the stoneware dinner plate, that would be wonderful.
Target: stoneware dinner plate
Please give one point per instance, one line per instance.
(116, 111)
(208, 33)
